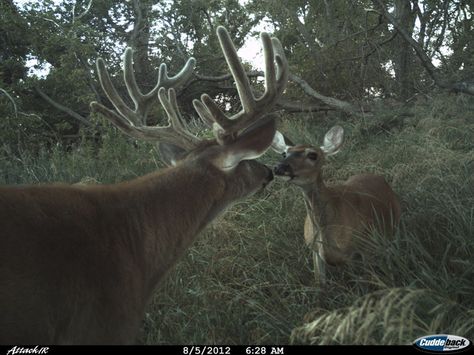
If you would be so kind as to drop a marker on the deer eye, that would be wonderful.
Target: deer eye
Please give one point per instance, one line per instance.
(312, 156)
(283, 154)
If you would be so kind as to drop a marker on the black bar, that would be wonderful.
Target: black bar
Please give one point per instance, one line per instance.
(207, 349)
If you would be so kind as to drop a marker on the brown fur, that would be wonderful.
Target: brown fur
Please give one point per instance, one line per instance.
(336, 214)
(78, 264)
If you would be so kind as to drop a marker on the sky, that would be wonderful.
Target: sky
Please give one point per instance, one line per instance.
(250, 52)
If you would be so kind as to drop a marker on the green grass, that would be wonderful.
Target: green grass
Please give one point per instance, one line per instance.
(248, 278)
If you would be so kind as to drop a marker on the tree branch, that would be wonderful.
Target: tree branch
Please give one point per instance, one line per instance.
(375, 48)
(63, 108)
(74, 17)
(465, 87)
(91, 81)
(330, 101)
(425, 61)
(11, 100)
(312, 45)
(296, 107)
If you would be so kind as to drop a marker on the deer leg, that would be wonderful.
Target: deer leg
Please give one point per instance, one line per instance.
(319, 268)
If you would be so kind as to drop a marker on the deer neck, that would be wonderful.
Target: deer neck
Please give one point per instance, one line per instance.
(319, 207)
(317, 200)
(169, 210)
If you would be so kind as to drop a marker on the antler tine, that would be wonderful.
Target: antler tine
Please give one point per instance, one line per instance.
(179, 79)
(133, 122)
(276, 78)
(112, 94)
(176, 123)
(144, 101)
(210, 112)
(275, 83)
(177, 120)
(270, 71)
(237, 69)
(283, 72)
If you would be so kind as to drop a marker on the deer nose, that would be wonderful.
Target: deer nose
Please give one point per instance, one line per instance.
(283, 169)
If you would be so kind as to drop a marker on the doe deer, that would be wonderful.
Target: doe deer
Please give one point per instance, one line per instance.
(336, 215)
(78, 264)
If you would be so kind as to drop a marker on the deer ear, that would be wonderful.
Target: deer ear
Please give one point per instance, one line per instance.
(333, 140)
(279, 143)
(250, 144)
(171, 154)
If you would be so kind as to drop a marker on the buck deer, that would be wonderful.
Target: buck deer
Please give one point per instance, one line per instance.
(78, 264)
(336, 215)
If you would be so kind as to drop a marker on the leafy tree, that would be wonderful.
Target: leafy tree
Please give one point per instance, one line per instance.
(336, 46)
(351, 51)
(14, 44)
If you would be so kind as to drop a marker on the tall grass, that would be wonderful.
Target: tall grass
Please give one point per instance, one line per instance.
(248, 278)
(115, 160)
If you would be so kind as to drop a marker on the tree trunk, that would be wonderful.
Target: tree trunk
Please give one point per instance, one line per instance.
(139, 41)
(464, 86)
(404, 58)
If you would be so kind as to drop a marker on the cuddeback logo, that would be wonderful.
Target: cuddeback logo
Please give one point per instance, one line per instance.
(441, 343)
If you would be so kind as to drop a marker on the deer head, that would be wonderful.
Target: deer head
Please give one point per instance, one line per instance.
(239, 139)
(302, 164)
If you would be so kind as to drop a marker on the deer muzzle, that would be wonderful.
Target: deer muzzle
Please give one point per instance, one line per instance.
(284, 169)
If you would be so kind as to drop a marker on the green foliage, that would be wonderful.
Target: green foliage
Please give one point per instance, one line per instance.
(331, 44)
(13, 44)
(112, 159)
(248, 278)
(341, 48)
